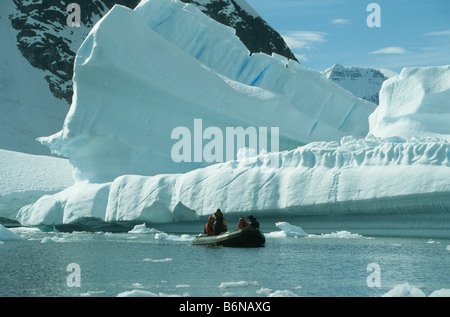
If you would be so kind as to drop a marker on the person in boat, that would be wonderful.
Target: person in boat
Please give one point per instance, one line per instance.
(209, 226)
(254, 224)
(242, 223)
(220, 224)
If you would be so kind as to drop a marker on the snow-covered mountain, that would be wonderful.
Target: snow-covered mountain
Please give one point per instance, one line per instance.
(362, 82)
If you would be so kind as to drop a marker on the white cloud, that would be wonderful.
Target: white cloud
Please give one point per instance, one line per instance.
(303, 39)
(340, 21)
(391, 50)
(446, 32)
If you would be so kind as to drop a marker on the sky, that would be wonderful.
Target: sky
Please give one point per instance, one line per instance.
(322, 33)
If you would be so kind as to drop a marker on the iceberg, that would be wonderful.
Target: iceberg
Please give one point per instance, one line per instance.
(186, 66)
(415, 103)
(353, 176)
(142, 73)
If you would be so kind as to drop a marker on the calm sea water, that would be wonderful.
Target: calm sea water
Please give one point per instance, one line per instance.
(167, 264)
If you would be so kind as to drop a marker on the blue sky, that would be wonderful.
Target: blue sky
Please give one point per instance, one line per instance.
(325, 32)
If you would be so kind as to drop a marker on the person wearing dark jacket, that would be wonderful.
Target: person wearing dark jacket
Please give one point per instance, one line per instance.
(254, 224)
(220, 224)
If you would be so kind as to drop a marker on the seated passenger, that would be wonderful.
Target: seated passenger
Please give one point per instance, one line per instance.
(209, 226)
(220, 224)
(253, 222)
(242, 223)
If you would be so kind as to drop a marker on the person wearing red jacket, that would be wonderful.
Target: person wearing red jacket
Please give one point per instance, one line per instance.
(242, 223)
(209, 226)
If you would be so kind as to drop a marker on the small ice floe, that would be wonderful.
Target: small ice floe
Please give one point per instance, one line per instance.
(137, 293)
(54, 239)
(282, 293)
(142, 293)
(169, 237)
(287, 230)
(157, 260)
(239, 284)
(404, 290)
(443, 292)
(142, 229)
(338, 234)
(407, 290)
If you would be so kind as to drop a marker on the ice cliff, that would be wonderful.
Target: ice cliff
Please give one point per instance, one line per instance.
(351, 176)
(141, 73)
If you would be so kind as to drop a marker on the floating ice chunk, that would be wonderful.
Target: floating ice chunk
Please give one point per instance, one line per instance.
(54, 239)
(170, 237)
(157, 261)
(142, 229)
(137, 293)
(282, 293)
(443, 292)
(291, 230)
(405, 290)
(264, 290)
(339, 234)
(237, 284)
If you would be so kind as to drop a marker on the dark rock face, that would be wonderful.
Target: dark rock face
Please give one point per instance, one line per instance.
(256, 34)
(362, 82)
(48, 43)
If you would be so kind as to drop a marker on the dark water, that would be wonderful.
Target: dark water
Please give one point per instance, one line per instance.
(168, 265)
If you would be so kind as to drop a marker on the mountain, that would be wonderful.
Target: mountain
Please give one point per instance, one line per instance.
(362, 82)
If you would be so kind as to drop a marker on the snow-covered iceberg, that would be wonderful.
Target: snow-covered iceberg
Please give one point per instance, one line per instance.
(142, 73)
(415, 103)
(353, 176)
